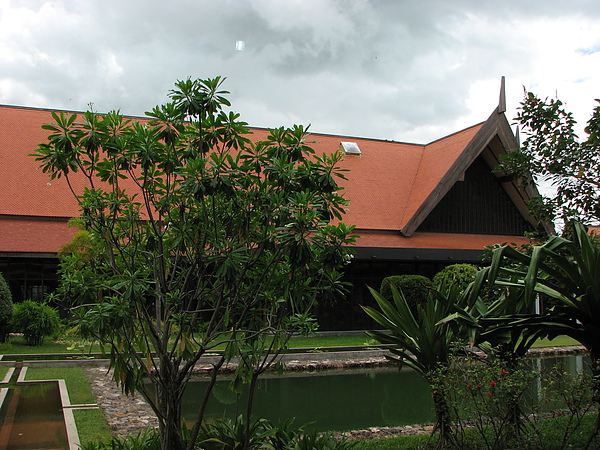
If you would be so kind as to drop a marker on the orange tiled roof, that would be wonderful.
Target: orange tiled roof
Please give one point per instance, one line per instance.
(33, 236)
(388, 184)
(594, 230)
(437, 240)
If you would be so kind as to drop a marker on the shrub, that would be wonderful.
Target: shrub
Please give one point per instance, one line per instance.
(6, 309)
(414, 287)
(488, 401)
(35, 320)
(463, 274)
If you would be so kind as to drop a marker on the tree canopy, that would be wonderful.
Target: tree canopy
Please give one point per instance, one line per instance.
(197, 239)
(553, 152)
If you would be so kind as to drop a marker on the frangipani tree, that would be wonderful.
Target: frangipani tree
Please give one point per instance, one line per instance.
(199, 237)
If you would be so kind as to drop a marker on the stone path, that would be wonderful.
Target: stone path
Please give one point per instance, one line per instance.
(124, 414)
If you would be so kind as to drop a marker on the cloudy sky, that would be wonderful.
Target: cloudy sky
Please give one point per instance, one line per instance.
(408, 70)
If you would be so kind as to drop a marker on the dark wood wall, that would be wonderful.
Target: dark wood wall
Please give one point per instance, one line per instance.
(477, 205)
(29, 278)
(347, 314)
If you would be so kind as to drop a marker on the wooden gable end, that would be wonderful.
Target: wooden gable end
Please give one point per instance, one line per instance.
(477, 204)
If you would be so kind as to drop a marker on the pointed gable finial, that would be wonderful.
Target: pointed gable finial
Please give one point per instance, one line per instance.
(502, 103)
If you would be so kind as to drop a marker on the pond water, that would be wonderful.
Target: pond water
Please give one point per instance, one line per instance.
(32, 418)
(341, 399)
(334, 400)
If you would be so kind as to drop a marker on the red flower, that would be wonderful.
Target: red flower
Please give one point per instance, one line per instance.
(503, 373)
(478, 386)
(493, 384)
(488, 393)
(469, 385)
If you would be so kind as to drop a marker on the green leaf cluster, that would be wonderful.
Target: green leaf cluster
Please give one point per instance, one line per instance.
(422, 340)
(553, 152)
(462, 274)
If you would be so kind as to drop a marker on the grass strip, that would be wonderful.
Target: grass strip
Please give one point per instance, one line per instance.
(91, 426)
(319, 341)
(17, 346)
(560, 341)
(77, 383)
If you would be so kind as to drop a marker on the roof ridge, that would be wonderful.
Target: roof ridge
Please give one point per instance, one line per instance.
(455, 133)
(249, 127)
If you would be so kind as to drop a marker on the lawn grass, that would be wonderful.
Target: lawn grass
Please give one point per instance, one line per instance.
(395, 443)
(560, 341)
(326, 340)
(17, 346)
(77, 383)
(91, 426)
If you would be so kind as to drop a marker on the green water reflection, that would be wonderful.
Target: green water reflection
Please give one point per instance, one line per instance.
(354, 399)
(334, 400)
(32, 418)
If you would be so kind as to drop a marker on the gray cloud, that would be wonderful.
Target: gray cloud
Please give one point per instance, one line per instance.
(384, 69)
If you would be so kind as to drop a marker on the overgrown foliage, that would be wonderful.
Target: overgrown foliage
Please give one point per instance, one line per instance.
(35, 320)
(199, 237)
(481, 393)
(227, 434)
(146, 439)
(553, 152)
(6, 309)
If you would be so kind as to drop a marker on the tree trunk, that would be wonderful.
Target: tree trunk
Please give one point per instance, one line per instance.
(169, 399)
(443, 423)
(251, 392)
(203, 404)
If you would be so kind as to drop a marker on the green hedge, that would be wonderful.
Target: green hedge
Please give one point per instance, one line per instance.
(414, 287)
(463, 274)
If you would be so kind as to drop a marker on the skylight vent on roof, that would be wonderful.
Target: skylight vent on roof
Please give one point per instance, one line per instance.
(350, 148)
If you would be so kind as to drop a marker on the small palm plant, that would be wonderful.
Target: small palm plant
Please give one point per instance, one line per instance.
(421, 342)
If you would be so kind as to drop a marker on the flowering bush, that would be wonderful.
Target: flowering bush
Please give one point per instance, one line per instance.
(485, 396)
